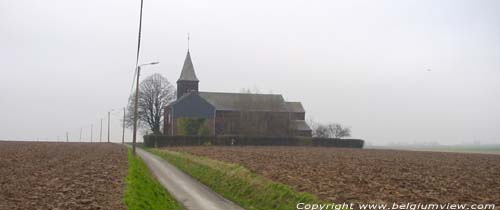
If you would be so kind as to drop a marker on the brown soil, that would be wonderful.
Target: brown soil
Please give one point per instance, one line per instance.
(371, 176)
(62, 175)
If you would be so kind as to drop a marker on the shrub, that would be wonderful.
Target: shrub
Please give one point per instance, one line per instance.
(192, 126)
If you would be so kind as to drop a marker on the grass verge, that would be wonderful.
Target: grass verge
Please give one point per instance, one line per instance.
(236, 183)
(143, 191)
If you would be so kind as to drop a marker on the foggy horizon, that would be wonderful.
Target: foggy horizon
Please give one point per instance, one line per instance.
(393, 71)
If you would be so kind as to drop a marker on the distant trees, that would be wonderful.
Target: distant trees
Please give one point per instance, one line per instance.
(330, 130)
(254, 90)
(155, 92)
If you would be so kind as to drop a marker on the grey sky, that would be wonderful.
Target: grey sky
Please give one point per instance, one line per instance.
(361, 63)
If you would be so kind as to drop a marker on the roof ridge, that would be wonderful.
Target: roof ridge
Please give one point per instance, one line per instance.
(269, 94)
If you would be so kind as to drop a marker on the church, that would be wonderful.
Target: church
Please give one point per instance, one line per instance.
(217, 113)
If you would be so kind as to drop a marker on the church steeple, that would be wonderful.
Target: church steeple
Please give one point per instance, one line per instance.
(187, 82)
(187, 73)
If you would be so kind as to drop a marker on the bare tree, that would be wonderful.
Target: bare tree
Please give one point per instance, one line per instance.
(155, 92)
(336, 130)
(321, 131)
(331, 130)
(254, 90)
(313, 125)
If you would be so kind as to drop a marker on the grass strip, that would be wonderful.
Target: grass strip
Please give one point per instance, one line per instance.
(143, 191)
(236, 183)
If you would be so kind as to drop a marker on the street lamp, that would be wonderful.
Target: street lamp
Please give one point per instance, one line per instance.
(136, 101)
(123, 132)
(109, 113)
(91, 132)
(100, 133)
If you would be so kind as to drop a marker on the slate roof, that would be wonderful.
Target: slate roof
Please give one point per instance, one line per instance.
(245, 101)
(295, 107)
(300, 125)
(187, 73)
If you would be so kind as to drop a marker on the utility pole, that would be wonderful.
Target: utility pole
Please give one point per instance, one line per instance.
(123, 133)
(136, 102)
(67, 138)
(138, 68)
(91, 132)
(81, 129)
(100, 133)
(109, 113)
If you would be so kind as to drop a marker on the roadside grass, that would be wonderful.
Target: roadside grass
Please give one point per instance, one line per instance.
(143, 191)
(236, 183)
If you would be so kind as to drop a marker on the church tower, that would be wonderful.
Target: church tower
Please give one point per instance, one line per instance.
(187, 82)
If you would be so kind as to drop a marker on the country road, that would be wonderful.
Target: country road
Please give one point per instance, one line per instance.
(192, 194)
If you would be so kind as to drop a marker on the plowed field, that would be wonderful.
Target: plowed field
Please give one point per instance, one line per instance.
(371, 176)
(62, 175)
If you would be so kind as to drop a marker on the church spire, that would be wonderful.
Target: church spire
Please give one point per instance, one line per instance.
(187, 82)
(187, 73)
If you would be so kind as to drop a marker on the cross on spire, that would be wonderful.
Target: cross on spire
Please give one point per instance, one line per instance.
(188, 41)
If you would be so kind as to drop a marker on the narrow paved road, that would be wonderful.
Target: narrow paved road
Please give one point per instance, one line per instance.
(191, 193)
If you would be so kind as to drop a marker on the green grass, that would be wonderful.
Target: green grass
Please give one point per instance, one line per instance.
(143, 191)
(237, 183)
(479, 149)
(482, 149)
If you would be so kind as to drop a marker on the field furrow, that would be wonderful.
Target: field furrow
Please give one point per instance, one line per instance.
(62, 175)
(371, 176)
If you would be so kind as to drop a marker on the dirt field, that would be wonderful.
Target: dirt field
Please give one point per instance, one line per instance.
(371, 176)
(62, 175)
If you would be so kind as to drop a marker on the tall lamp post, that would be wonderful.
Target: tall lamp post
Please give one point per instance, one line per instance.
(91, 132)
(123, 132)
(100, 133)
(136, 102)
(109, 113)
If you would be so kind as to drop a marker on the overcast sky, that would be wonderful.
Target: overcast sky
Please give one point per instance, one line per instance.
(365, 64)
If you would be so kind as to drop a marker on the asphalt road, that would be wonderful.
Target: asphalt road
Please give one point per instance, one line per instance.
(192, 194)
